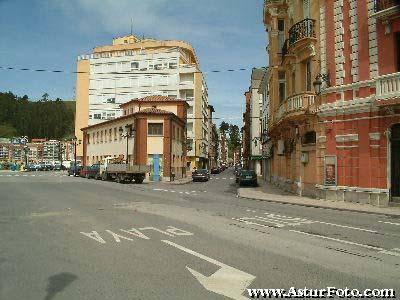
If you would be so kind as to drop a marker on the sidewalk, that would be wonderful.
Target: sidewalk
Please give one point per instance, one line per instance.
(267, 192)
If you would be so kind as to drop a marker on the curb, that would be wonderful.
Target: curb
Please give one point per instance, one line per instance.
(320, 206)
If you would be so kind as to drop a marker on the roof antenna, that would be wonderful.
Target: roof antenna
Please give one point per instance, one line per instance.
(131, 26)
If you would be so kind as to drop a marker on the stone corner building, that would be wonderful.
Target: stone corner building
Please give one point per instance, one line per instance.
(342, 143)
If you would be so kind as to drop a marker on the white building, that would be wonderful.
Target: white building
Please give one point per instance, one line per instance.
(133, 68)
(256, 103)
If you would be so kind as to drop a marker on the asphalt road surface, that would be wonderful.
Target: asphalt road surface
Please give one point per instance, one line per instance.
(72, 238)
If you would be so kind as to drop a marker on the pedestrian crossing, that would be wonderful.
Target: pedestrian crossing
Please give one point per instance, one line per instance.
(189, 193)
(273, 220)
(222, 178)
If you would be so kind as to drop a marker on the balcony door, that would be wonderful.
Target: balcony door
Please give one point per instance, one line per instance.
(397, 43)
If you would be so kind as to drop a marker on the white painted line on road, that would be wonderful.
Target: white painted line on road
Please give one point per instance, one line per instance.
(187, 193)
(338, 240)
(393, 252)
(158, 189)
(224, 178)
(8, 175)
(173, 191)
(345, 226)
(226, 281)
(397, 224)
(231, 178)
(180, 192)
(253, 223)
(16, 175)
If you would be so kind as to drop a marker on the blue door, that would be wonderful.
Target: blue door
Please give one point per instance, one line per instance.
(156, 166)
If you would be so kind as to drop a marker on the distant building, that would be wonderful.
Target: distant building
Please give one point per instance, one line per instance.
(134, 68)
(158, 124)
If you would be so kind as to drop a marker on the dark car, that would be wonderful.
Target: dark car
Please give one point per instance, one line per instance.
(74, 169)
(30, 167)
(201, 175)
(57, 167)
(94, 171)
(248, 177)
(216, 170)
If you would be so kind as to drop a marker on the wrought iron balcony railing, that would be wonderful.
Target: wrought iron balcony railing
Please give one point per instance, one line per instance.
(385, 4)
(303, 29)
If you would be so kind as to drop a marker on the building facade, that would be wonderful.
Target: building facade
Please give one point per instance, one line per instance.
(134, 68)
(152, 131)
(334, 98)
(255, 155)
(358, 142)
(246, 131)
(293, 48)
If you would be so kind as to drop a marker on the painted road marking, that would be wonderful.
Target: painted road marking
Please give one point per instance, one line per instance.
(397, 224)
(338, 240)
(226, 281)
(393, 252)
(345, 226)
(170, 231)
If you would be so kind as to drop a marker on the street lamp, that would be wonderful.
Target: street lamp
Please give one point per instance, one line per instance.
(319, 80)
(129, 132)
(76, 142)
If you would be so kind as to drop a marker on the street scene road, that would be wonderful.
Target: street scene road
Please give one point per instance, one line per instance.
(66, 237)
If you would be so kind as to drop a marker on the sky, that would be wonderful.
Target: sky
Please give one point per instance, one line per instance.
(50, 34)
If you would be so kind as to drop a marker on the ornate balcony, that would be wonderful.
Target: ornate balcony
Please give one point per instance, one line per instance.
(384, 9)
(297, 105)
(301, 30)
(388, 88)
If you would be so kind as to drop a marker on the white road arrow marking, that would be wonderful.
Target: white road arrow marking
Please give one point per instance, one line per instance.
(227, 281)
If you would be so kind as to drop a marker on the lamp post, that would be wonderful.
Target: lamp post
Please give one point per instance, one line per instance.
(319, 79)
(129, 132)
(76, 142)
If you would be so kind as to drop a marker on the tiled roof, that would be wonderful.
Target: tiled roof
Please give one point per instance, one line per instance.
(155, 98)
(153, 110)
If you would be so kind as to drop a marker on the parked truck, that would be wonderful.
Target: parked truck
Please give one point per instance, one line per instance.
(115, 169)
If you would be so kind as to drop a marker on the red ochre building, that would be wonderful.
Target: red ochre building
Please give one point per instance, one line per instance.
(335, 98)
(158, 124)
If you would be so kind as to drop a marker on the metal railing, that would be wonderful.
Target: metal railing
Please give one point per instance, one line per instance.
(303, 29)
(385, 4)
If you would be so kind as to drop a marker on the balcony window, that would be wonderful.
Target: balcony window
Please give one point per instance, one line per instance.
(97, 116)
(397, 45)
(281, 33)
(155, 129)
(282, 86)
(308, 76)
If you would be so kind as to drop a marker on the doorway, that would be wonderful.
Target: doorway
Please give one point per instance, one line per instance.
(395, 163)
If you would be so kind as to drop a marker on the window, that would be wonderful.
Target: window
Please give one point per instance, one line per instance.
(135, 65)
(88, 138)
(110, 100)
(173, 65)
(308, 75)
(97, 116)
(282, 86)
(281, 33)
(115, 133)
(155, 129)
(310, 137)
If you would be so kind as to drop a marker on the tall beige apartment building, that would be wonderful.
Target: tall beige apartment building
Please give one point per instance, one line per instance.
(133, 68)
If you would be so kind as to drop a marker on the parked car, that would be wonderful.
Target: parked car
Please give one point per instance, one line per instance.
(216, 170)
(57, 167)
(30, 167)
(201, 175)
(94, 171)
(248, 177)
(74, 170)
